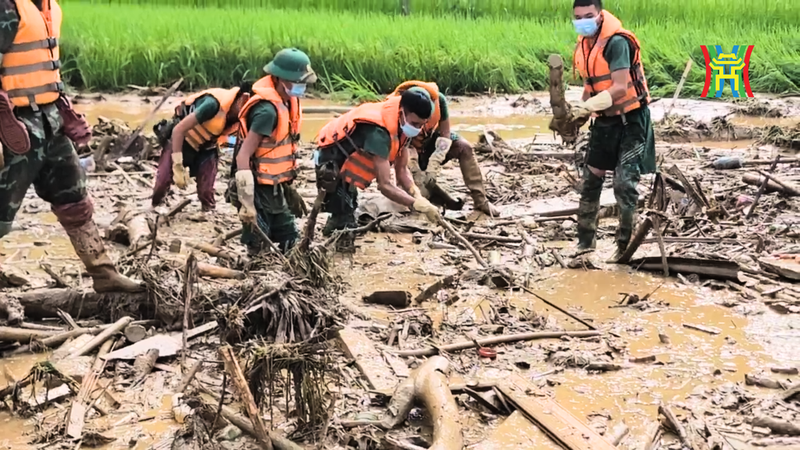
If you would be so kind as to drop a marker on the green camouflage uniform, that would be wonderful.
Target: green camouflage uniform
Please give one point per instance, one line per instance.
(273, 213)
(343, 201)
(51, 165)
(624, 144)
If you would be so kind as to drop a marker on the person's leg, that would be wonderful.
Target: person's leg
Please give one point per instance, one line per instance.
(471, 172)
(16, 176)
(163, 175)
(626, 180)
(62, 183)
(206, 177)
(341, 204)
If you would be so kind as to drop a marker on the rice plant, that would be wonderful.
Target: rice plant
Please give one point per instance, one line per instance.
(107, 47)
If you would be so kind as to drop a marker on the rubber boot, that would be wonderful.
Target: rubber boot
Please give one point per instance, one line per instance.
(440, 197)
(471, 172)
(76, 218)
(588, 209)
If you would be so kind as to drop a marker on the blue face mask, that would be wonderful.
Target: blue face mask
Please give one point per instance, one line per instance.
(586, 27)
(297, 90)
(409, 130)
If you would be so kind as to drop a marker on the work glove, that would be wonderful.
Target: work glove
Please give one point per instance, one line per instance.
(421, 178)
(179, 175)
(599, 102)
(295, 201)
(422, 205)
(414, 191)
(437, 159)
(246, 188)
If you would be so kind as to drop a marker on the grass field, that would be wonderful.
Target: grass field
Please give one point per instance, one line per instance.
(748, 12)
(108, 47)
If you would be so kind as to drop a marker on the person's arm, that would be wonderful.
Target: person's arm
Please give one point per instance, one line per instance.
(618, 55)
(404, 178)
(444, 120)
(383, 172)
(9, 17)
(180, 130)
(586, 94)
(247, 150)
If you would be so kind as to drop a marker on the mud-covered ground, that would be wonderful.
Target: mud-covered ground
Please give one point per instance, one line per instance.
(706, 346)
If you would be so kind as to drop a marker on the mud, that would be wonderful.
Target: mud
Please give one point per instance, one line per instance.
(752, 337)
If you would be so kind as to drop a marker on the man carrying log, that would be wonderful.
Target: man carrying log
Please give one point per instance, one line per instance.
(608, 58)
(434, 146)
(191, 140)
(37, 128)
(265, 158)
(361, 146)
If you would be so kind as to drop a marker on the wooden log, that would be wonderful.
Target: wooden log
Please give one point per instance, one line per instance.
(786, 188)
(505, 339)
(756, 180)
(135, 333)
(369, 361)
(675, 423)
(791, 392)
(761, 189)
(641, 233)
(491, 237)
(213, 250)
(278, 441)
(777, 426)
(58, 339)
(444, 283)
(222, 238)
(755, 380)
(118, 326)
(11, 334)
(235, 373)
(397, 299)
(190, 376)
(212, 271)
(143, 365)
(45, 303)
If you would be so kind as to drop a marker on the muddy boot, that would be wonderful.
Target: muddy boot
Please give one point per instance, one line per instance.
(440, 197)
(473, 179)
(587, 210)
(76, 218)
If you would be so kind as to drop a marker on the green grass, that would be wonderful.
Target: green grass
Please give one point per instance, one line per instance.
(748, 12)
(109, 47)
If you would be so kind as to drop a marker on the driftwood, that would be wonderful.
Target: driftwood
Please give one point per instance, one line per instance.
(761, 189)
(118, 326)
(429, 385)
(213, 250)
(235, 372)
(397, 299)
(278, 442)
(430, 291)
(755, 380)
(143, 365)
(11, 334)
(792, 392)
(496, 340)
(190, 376)
(44, 303)
(135, 333)
(757, 180)
(777, 426)
(130, 227)
(641, 233)
(675, 423)
(786, 188)
(59, 339)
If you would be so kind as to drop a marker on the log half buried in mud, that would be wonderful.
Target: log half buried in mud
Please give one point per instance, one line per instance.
(777, 426)
(11, 334)
(59, 339)
(497, 340)
(45, 303)
(724, 270)
(428, 384)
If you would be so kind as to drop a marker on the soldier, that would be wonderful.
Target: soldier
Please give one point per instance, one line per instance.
(361, 146)
(435, 146)
(38, 127)
(608, 58)
(191, 141)
(265, 159)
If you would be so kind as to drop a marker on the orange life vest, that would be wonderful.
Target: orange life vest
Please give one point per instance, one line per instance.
(596, 74)
(208, 131)
(433, 122)
(359, 168)
(29, 72)
(276, 156)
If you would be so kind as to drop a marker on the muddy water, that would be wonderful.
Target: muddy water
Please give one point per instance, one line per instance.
(693, 360)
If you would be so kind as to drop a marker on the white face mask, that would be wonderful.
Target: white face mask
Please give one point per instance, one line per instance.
(296, 89)
(408, 129)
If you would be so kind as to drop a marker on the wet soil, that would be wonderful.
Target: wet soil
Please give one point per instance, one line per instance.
(752, 337)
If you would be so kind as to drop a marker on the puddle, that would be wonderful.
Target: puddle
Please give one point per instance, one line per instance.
(694, 359)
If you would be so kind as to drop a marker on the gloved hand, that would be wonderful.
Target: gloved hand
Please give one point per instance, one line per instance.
(179, 175)
(420, 177)
(443, 144)
(437, 158)
(246, 189)
(422, 205)
(295, 201)
(414, 191)
(599, 102)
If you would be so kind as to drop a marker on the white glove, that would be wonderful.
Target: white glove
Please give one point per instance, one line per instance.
(599, 102)
(422, 205)
(245, 189)
(179, 175)
(443, 144)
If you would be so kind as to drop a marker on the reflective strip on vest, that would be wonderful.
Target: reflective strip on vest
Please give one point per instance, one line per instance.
(49, 44)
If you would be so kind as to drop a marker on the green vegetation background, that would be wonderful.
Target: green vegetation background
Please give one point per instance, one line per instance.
(363, 46)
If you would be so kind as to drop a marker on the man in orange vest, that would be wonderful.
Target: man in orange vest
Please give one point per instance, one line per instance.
(265, 160)
(608, 58)
(435, 146)
(360, 146)
(37, 128)
(191, 140)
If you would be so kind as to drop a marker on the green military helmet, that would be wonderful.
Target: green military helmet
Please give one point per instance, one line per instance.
(293, 65)
(424, 93)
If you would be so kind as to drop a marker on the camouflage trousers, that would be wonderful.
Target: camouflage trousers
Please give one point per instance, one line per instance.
(273, 216)
(619, 147)
(54, 169)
